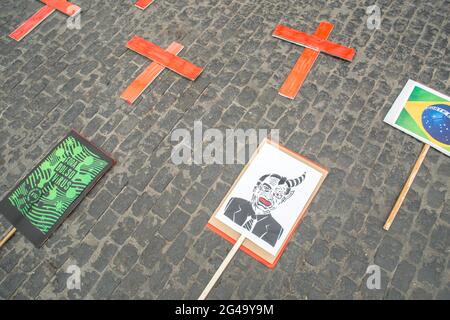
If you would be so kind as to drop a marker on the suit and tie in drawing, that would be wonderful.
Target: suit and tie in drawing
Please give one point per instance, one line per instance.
(255, 215)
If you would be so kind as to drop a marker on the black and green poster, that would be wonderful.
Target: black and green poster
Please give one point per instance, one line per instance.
(48, 194)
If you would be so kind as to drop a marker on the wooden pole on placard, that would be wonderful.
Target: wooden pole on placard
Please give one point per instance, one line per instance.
(222, 267)
(7, 237)
(406, 187)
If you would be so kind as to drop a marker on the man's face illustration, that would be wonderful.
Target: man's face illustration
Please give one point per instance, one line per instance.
(269, 194)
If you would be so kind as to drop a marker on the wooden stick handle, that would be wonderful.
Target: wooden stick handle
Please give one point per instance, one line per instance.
(406, 187)
(222, 267)
(7, 237)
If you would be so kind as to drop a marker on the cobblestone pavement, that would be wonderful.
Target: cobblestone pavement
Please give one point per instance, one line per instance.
(140, 233)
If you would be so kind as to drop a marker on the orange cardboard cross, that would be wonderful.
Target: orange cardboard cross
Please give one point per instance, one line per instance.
(314, 44)
(63, 6)
(143, 4)
(161, 59)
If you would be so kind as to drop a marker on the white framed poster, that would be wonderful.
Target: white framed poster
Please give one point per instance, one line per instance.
(268, 200)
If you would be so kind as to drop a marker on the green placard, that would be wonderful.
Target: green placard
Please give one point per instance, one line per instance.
(41, 201)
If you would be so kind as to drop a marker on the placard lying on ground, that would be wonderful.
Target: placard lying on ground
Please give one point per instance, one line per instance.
(45, 197)
(424, 114)
(267, 201)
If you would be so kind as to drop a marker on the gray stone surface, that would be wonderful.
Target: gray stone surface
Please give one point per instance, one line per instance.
(140, 233)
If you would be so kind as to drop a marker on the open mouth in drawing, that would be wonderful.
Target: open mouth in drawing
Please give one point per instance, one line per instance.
(264, 202)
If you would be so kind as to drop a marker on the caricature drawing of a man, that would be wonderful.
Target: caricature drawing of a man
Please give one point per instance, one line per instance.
(255, 215)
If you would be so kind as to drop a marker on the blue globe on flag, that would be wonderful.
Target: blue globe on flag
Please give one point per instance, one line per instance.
(436, 121)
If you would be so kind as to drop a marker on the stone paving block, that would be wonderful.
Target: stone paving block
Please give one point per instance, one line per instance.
(104, 255)
(432, 270)
(166, 202)
(394, 294)
(152, 251)
(440, 239)
(178, 249)
(317, 252)
(174, 224)
(105, 286)
(133, 282)
(444, 294)
(124, 200)
(345, 289)
(403, 276)
(10, 284)
(388, 253)
(100, 203)
(105, 224)
(123, 228)
(420, 294)
(125, 259)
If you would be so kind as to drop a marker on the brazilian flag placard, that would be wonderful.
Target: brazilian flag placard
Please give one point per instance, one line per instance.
(423, 113)
(40, 202)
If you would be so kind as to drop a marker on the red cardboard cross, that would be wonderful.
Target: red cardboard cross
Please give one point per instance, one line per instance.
(314, 44)
(143, 4)
(25, 28)
(161, 59)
